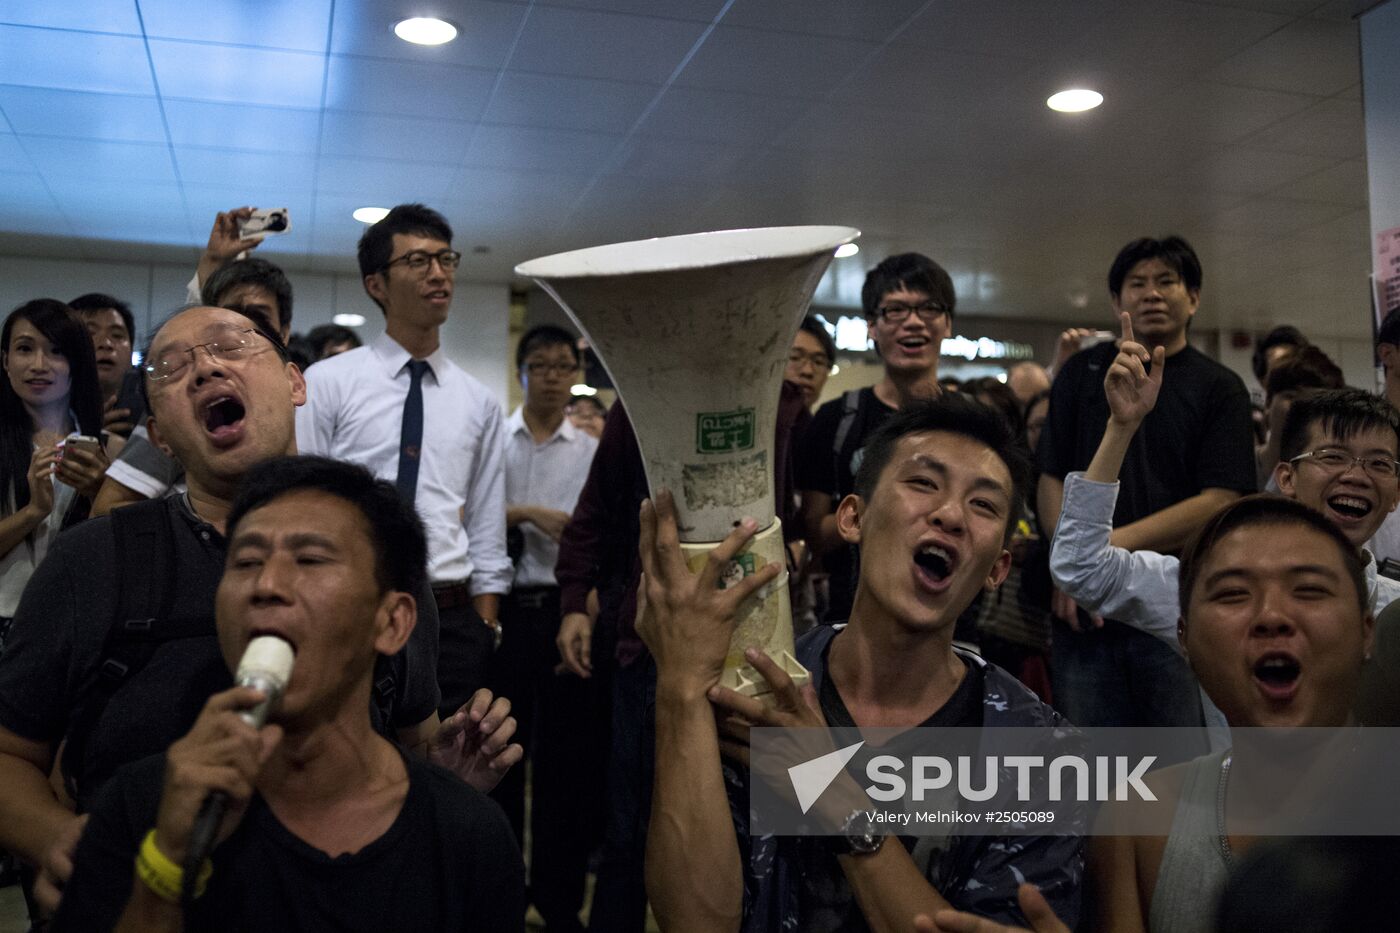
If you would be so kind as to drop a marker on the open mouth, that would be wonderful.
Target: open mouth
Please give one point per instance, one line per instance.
(223, 413)
(1277, 675)
(1350, 506)
(440, 294)
(935, 564)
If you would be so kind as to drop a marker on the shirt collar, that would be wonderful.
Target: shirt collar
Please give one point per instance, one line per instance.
(516, 423)
(393, 357)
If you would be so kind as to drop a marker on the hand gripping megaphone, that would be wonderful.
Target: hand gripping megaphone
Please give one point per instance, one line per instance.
(695, 332)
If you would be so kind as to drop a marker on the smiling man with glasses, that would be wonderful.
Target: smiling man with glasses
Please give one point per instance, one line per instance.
(399, 407)
(908, 301)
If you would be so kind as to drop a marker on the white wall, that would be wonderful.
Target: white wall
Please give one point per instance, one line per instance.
(475, 337)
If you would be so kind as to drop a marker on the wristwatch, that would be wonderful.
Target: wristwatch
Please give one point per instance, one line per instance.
(495, 626)
(859, 835)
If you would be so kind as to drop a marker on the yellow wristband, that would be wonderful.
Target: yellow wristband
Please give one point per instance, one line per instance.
(164, 877)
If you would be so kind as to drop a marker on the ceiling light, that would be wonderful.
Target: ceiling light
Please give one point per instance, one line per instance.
(370, 215)
(583, 388)
(349, 320)
(425, 30)
(835, 369)
(846, 249)
(1074, 100)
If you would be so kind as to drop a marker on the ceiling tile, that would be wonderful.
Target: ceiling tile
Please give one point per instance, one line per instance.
(384, 182)
(1246, 171)
(524, 99)
(1281, 7)
(92, 17)
(274, 24)
(650, 157)
(12, 155)
(873, 22)
(1189, 37)
(61, 160)
(603, 45)
(23, 189)
(485, 31)
(1343, 183)
(106, 205)
(81, 115)
(259, 129)
(504, 187)
(1308, 56)
(231, 74)
(386, 137)
(764, 62)
(525, 149)
(74, 61)
(722, 116)
(702, 11)
(1334, 128)
(1014, 29)
(1203, 111)
(1271, 216)
(407, 88)
(251, 169)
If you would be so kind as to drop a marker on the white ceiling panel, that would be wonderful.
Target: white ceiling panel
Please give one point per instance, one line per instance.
(1333, 128)
(555, 102)
(384, 181)
(60, 161)
(873, 22)
(1019, 30)
(760, 61)
(1204, 111)
(486, 29)
(13, 158)
(73, 61)
(1240, 170)
(651, 157)
(256, 129)
(1308, 56)
(232, 167)
(589, 44)
(273, 24)
(702, 11)
(91, 17)
(521, 148)
(1344, 183)
(407, 88)
(724, 116)
(80, 115)
(504, 189)
(237, 75)
(385, 137)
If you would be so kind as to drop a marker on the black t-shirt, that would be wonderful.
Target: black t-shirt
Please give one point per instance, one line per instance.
(823, 468)
(447, 862)
(67, 609)
(1197, 437)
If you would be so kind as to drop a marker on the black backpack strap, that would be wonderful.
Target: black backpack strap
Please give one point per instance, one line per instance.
(851, 405)
(145, 554)
(383, 694)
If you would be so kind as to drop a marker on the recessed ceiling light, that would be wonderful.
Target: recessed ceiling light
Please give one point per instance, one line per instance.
(425, 30)
(846, 249)
(1074, 100)
(370, 215)
(582, 388)
(835, 369)
(349, 320)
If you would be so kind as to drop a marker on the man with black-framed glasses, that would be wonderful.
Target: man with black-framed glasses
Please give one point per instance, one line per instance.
(399, 407)
(908, 301)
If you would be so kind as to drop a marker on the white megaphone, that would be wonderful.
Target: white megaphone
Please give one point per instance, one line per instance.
(695, 332)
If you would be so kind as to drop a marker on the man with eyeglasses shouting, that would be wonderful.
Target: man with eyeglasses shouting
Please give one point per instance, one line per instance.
(1338, 456)
(114, 649)
(403, 410)
(1191, 457)
(908, 301)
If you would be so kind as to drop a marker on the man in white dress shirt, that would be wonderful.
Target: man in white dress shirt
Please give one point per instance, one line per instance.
(401, 408)
(547, 460)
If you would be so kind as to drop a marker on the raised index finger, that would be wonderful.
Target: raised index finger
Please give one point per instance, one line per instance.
(1127, 320)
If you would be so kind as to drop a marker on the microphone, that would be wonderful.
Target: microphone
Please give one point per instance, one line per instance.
(266, 666)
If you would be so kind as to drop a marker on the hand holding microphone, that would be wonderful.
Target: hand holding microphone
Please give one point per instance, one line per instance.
(210, 773)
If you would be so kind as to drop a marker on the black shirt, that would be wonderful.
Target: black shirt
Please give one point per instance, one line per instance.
(1197, 437)
(447, 862)
(62, 622)
(823, 468)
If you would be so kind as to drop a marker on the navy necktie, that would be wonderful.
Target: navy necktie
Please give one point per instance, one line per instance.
(411, 437)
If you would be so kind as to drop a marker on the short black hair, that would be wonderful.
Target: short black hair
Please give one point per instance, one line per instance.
(811, 324)
(956, 414)
(1339, 412)
(260, 324)
(377, 243)
(96, 301)
(1176, 254)
(914, 272)
(997, 395)
(323, 335)
(1273, 511)
(1285, 335)
(1390, 329)
(251, 271)
(541, 336)
(396, 532)
(1308, 368)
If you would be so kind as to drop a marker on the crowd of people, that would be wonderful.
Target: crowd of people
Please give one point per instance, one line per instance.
(480, 717)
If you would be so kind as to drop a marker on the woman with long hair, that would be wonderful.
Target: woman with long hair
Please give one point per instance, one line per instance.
(50, 391)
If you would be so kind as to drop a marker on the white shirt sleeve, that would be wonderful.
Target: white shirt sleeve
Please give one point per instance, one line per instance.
(485, 518)
(1137, 588)
(316, 419)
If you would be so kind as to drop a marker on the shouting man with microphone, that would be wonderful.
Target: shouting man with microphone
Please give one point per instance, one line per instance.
(328, 825)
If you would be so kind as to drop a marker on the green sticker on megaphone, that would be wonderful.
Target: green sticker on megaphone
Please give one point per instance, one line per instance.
(722, 432)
